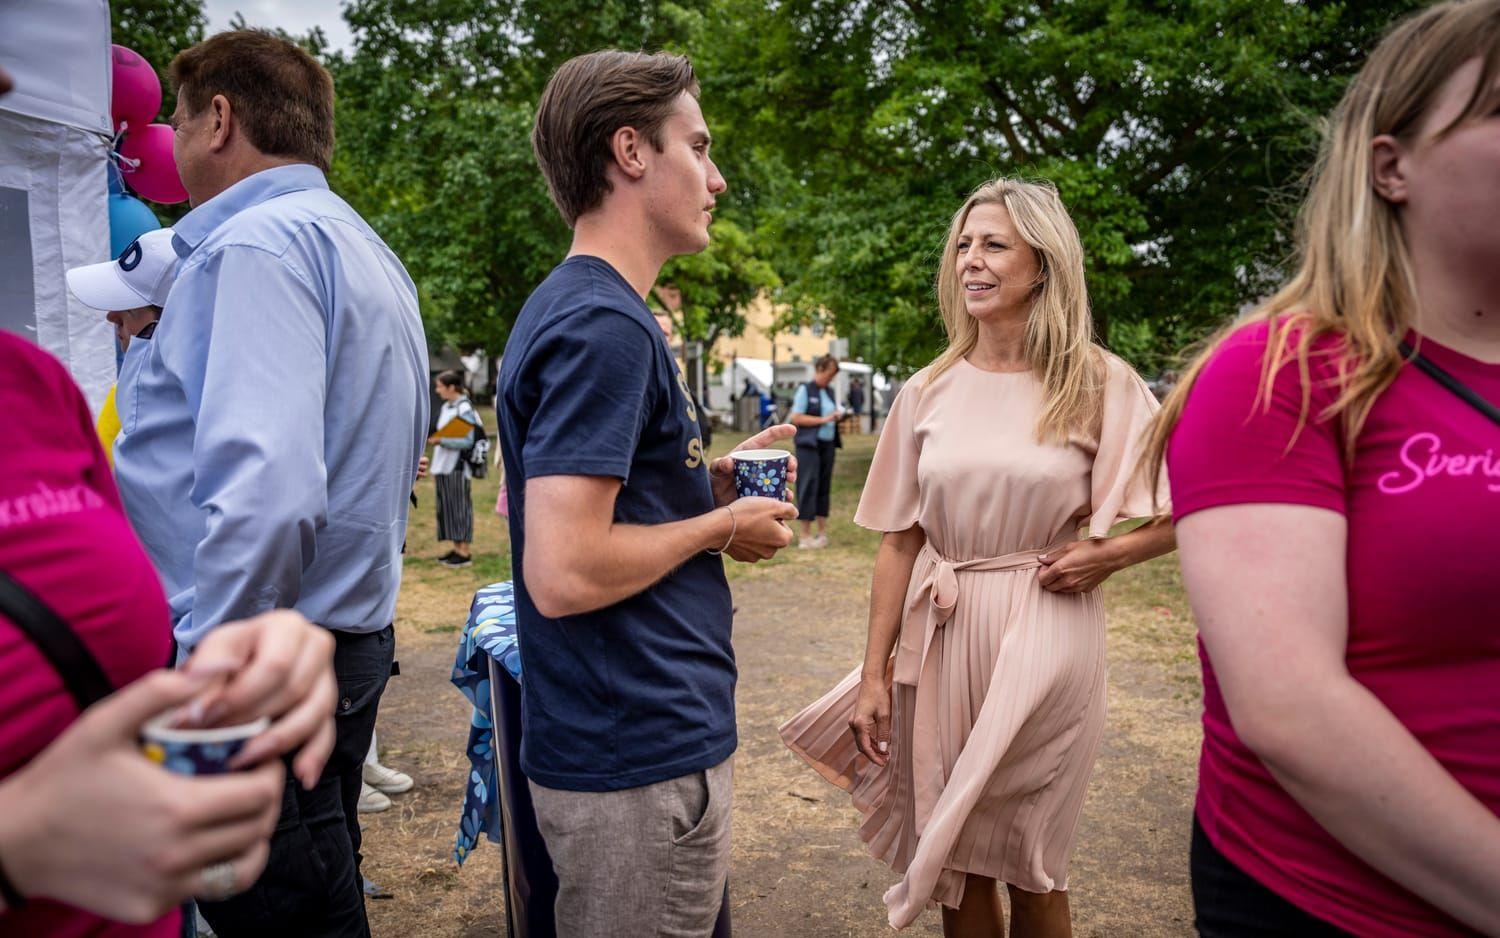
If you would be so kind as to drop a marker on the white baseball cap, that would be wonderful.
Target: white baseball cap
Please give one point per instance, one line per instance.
(141, 276)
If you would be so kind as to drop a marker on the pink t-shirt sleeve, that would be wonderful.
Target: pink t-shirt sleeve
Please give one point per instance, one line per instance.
(1229, 448)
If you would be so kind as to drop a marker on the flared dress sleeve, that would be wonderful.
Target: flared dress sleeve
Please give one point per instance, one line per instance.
(1119, 492)
(890, 499)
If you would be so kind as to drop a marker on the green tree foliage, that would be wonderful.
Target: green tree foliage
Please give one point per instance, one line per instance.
(718, 283)
(849, 131)
(435, 108)
(1176, 131)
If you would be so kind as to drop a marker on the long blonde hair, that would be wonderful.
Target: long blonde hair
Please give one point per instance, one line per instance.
(1354, 278)
(1060, 330)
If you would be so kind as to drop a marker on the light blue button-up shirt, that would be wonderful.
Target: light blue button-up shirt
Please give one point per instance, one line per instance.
(275, 419)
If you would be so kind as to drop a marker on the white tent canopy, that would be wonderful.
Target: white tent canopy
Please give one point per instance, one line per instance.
(790, 374)
(54, 140)
(757, 370)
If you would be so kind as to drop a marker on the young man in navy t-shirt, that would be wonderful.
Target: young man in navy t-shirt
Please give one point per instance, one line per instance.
(616, 517)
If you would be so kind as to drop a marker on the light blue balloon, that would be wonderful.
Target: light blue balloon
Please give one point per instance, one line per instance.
(129, 218)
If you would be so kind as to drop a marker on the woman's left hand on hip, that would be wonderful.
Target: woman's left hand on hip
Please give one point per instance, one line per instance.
(1077, 567)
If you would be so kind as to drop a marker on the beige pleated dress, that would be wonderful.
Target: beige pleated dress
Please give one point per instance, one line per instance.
(998, 685)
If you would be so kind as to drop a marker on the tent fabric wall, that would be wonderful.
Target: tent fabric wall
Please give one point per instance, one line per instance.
(54, 142)
(58, 54)
(61, 169)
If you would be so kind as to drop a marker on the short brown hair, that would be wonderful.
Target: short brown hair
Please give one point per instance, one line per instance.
(281, 95)
(824, 362)
(589, 98)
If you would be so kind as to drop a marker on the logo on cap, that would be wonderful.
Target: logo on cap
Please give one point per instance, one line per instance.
(130, 258)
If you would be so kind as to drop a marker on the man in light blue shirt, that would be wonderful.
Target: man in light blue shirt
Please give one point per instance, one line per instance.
(278, 418)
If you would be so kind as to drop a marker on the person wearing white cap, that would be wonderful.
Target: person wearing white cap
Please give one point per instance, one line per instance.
(130, 290)
(140, 277)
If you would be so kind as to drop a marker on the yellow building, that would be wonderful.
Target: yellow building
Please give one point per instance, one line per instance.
(801, 345)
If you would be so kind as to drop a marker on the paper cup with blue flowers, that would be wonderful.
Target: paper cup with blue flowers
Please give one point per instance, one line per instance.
(761, 472)
(193, 751)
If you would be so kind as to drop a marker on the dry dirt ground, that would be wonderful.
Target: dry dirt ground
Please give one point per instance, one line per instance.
(798, 866)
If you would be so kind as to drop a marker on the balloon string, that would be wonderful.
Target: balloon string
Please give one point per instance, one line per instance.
(124, 163)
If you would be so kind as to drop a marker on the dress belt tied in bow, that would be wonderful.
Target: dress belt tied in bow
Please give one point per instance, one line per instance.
(933, 603)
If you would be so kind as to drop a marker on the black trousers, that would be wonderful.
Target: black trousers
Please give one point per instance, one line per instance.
(312, 884)
(814, 480)
(1229, 903)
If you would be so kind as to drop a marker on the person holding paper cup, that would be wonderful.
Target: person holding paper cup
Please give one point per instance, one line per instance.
(98, 834)
(618, 515)
(457, 425)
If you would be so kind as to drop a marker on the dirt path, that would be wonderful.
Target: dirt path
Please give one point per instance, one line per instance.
(798, 867)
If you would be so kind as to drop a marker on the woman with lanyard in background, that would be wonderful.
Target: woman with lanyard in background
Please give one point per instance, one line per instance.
(815, 415)
(1337, 495)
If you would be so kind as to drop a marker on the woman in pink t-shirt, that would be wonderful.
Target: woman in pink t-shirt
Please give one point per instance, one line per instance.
(93, 835)
(1337, 510)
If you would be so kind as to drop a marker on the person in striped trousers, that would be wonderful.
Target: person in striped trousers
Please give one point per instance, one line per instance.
(450, 469)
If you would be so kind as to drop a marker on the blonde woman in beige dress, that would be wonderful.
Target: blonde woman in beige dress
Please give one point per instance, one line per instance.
(968, 735)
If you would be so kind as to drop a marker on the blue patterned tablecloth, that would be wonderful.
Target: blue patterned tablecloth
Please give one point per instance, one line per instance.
(490, 633)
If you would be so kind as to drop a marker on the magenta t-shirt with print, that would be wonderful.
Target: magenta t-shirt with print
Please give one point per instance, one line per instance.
(1422, 503)
(63, 535)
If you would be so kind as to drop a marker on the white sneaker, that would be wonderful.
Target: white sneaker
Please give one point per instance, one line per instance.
(387, 780)
(807, 543)
(372, 801)
(821, 541)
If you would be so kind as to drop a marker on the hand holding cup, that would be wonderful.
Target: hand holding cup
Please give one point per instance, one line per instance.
(760, 528)
(92, 822)
(277, 665)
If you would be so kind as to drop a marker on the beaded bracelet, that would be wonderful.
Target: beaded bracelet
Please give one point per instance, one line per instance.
(734, 526)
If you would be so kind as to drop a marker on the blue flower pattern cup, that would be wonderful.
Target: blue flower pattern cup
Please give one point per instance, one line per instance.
(196, 752)
(761, 472)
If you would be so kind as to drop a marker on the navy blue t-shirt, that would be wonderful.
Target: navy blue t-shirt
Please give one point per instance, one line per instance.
(641, 691)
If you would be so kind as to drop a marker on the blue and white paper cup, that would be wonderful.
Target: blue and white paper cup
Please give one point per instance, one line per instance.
(761, 472)
(196, 752)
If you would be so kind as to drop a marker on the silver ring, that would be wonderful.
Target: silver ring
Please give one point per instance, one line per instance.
(218, 881)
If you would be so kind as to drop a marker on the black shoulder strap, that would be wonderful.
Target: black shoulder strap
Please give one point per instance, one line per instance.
(1468, 394)
(80, 671)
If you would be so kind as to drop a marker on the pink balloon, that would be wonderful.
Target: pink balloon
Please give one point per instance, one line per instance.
(156, 178)
(137, 89)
